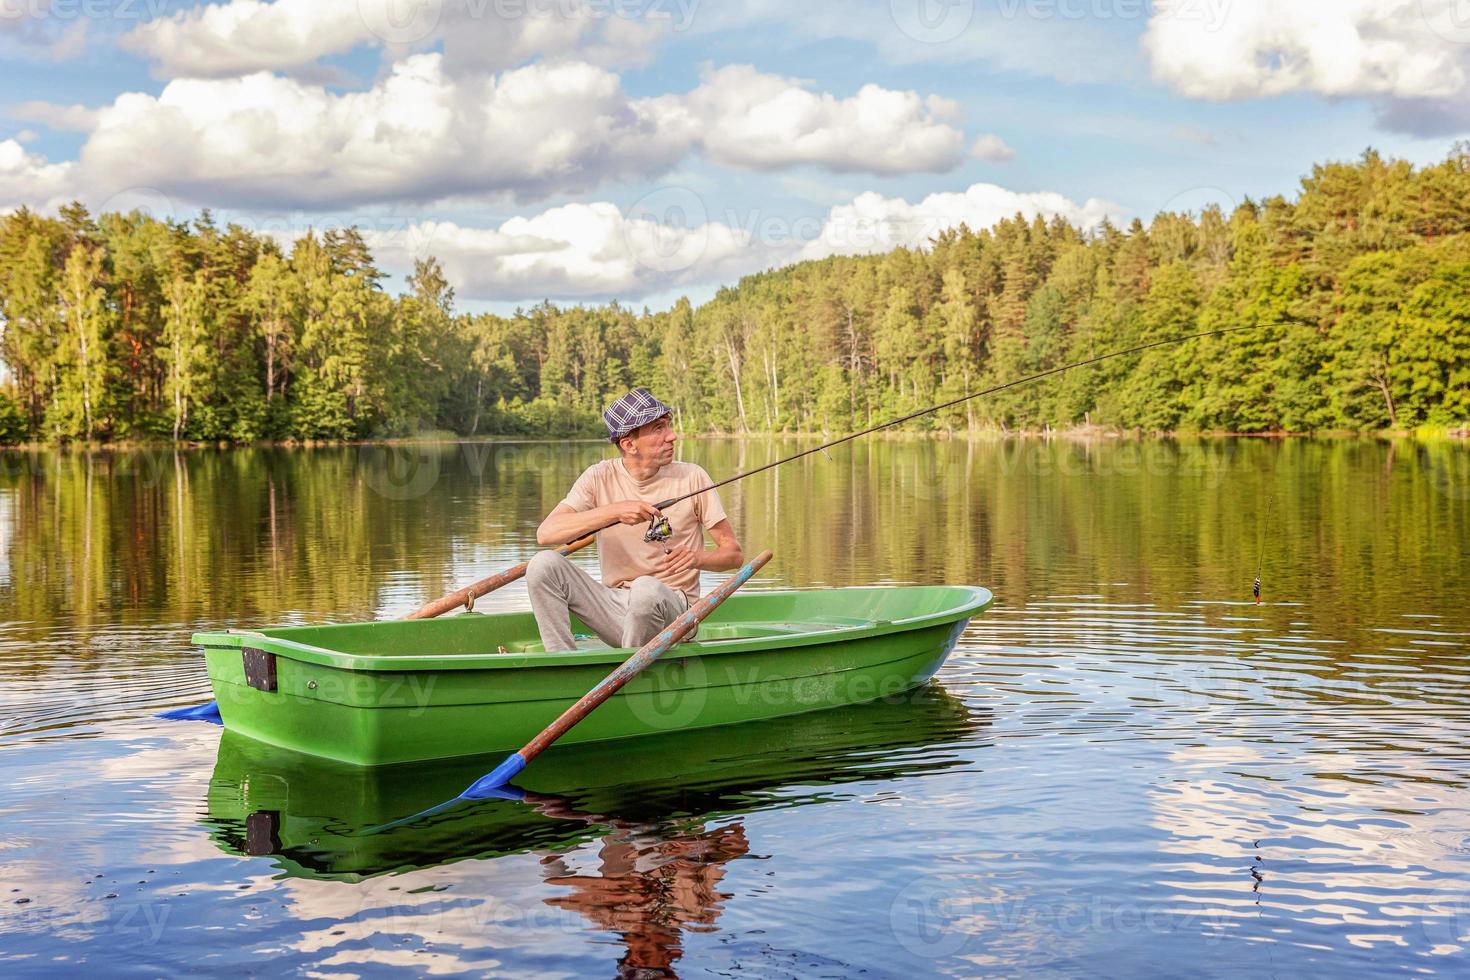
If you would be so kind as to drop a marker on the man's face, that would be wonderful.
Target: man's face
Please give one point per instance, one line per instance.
(654, 441)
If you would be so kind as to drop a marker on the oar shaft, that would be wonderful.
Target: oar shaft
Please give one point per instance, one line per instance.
(487, 585)
(644, 658)
(615, 681)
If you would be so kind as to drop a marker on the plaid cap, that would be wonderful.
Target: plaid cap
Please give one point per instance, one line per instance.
(638, 407)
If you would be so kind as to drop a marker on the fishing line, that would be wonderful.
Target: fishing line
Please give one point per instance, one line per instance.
(1261, 554)
(658, 530)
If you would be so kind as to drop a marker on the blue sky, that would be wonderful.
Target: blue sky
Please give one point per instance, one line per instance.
(638, 150)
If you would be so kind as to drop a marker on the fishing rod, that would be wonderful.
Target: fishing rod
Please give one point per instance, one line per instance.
(660, 531)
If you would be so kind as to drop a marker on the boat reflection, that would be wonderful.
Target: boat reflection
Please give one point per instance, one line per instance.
(321, 819)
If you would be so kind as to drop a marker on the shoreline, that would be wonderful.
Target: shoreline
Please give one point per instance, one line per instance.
(1072, 433)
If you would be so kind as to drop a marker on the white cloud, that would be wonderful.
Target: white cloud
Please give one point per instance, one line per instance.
(765, 122)
(599, 251)
(72, 118)
(246, 36)
(577, 251)
(495, 34)
(1411, 57)
(417, 135)
(992, 148)
(873, 223)
(421, 134)
(29, 179)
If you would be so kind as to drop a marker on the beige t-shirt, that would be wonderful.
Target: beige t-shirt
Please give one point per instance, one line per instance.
(621, 549)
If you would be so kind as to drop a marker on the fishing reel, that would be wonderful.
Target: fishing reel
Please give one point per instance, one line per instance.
(659, 530)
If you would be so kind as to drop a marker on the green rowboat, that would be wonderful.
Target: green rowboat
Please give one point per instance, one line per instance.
(389, 692)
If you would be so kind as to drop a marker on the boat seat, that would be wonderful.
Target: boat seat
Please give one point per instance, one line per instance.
(719, 632)
(746, 630)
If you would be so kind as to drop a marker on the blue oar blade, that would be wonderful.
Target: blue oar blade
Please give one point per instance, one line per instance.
(498, 793)
(493, 783)
(198, 712)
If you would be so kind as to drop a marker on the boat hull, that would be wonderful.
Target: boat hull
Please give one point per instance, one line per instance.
(426, 690)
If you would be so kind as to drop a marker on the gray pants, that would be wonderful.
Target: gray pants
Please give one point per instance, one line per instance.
(620, 617)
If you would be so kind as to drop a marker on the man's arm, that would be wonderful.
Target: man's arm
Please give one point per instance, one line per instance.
(564, 525)
(725, 555)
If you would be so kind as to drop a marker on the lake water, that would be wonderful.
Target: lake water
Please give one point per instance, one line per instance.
(1126, 767)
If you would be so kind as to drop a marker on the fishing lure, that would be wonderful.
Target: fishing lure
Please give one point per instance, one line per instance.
(1261, 558)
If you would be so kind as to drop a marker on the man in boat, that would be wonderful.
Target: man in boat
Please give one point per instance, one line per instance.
(645, 585)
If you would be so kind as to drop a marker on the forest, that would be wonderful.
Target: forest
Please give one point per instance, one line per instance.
(122, 327)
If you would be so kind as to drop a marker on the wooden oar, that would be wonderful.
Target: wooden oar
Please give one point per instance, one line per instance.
(467, 595)
(488, 785)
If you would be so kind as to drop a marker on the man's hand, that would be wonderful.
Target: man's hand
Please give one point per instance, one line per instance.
(565, 525)
(676, 562)
(631, 512)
